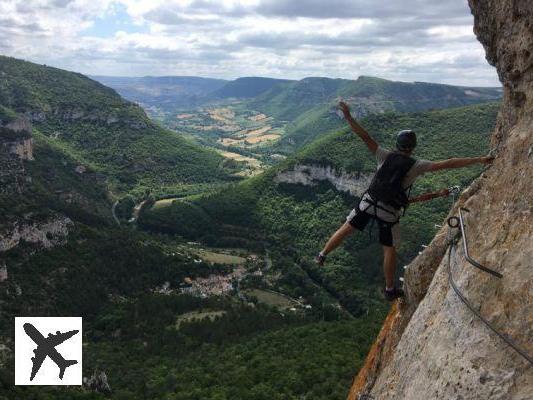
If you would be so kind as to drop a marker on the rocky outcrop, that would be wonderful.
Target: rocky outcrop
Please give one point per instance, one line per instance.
(40, 234)
(15, 138)
(17, 127)
(12, 173)
(51, 232)
(3, 273)
(97, 382)
(432, 346)
(23, 149)
(98, 116)
(311, 175)
(16, 146)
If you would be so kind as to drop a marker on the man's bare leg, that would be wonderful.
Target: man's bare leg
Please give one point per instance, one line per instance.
(337, 238)
(389, 265)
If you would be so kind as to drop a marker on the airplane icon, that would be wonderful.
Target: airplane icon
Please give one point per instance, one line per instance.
(46, 347)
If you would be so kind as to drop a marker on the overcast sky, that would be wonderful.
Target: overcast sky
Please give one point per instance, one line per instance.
(408, 40)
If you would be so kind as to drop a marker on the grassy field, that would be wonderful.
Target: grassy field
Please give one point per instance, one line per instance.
(197, 316)
(220, 258)
(252, 138)
(258, 117)
(163, 203)
(258, 132)
(263, 138)
(239, 157)
(225, 256)
(271, 298)
(224, 114)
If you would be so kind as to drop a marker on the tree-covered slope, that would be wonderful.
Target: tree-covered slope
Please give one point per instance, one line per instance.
(294, 360)
(288, 101)
(453, 132)
(112, 278)
(307, 127)
(310, 104)
(101, 130)
(367, 95)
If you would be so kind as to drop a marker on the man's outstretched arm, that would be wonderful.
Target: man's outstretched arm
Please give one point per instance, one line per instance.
(460, 162)
(429, 196)
(358, 129)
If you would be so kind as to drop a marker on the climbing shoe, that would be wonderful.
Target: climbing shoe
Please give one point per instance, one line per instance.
(320, 259)
(393, 294)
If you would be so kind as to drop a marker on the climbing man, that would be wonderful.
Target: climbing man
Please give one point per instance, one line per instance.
(388, 195)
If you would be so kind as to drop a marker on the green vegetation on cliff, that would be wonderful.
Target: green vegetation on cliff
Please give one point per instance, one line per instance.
(102, 131)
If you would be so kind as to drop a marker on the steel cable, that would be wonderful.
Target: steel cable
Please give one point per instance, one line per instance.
(510, 342)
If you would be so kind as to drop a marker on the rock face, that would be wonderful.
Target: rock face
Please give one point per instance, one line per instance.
(80, 115)
(16, 146)
(23, 149)
(12, 173)
(48, 233)
(15, 138)
(310, 175)
(432, 346)
(97, 382)
(3, 273)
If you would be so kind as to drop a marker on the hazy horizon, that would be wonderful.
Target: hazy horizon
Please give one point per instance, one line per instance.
(270, 77)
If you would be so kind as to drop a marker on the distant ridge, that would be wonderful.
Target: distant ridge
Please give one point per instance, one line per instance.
(171, 92)
(287, 99)
(292, 100)
(248, 87)
(309, 105)
(163, 91)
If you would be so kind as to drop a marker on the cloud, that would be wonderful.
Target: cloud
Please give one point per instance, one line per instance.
(362, 8)
(11, 25)
(409, 40)
(371, 38)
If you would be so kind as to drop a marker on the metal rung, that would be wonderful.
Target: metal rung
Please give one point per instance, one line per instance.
(465, 248)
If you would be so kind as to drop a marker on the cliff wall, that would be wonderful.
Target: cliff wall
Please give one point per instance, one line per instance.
(311, 175)
(431, 346)
(16, 146)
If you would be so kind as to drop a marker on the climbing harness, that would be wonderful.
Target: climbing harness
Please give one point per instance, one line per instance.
(458, 222)
(452, 190)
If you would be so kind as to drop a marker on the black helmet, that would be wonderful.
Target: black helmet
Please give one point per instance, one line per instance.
(406, 140)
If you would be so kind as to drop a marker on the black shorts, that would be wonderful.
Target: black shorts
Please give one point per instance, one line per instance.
(389, 234)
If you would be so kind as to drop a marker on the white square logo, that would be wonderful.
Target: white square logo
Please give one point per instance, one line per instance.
(48, 350)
